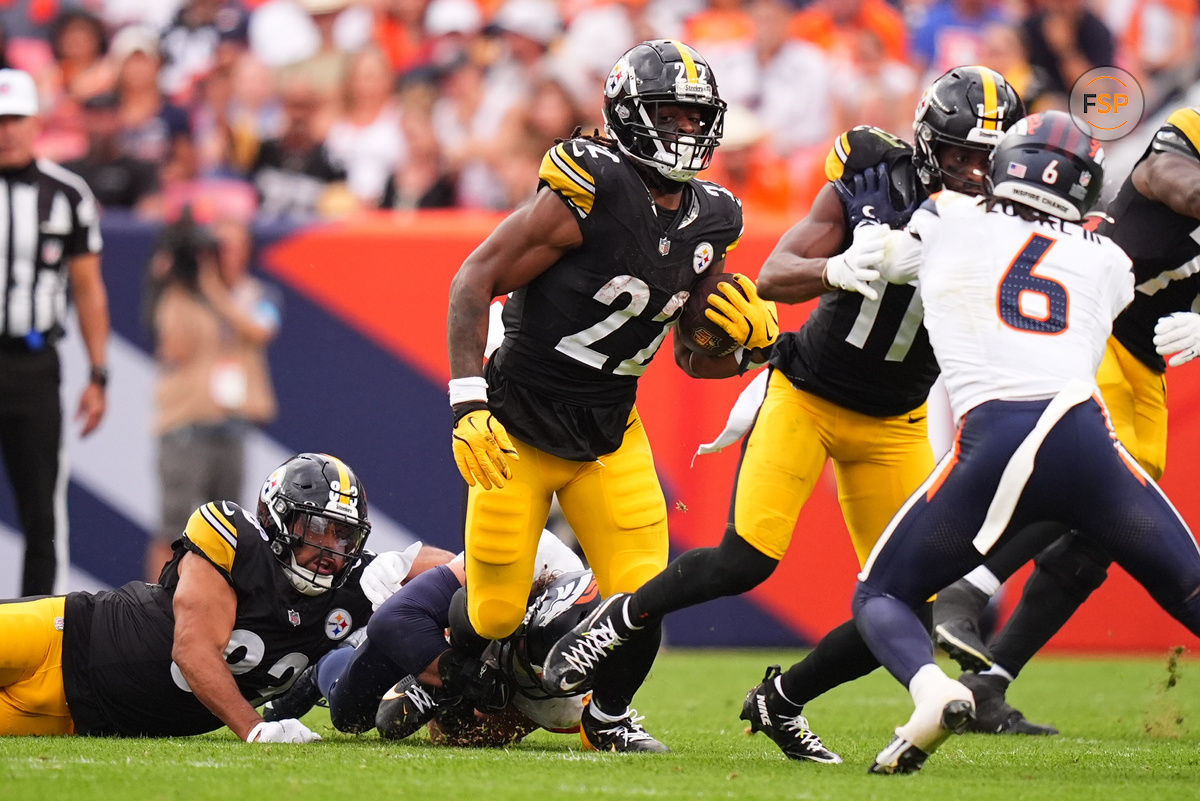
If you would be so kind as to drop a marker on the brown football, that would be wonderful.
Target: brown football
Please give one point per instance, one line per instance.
(699, 333)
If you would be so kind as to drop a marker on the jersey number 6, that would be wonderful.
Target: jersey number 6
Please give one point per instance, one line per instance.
(1031, 302)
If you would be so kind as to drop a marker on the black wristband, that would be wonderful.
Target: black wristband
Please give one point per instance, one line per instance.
(99, 377)
(461, 410)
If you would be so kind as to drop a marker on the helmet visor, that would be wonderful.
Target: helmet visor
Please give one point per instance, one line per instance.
(326, 544)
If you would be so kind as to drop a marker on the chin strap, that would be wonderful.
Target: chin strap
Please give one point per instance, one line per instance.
(305, 581)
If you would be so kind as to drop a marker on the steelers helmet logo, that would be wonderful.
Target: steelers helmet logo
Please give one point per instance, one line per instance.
(338, 624)
(702, 257)
(616, 78)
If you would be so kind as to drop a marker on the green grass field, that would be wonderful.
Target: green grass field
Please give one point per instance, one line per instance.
(1125, 734)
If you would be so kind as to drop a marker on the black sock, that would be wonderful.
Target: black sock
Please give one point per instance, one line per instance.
(839, 657)
(619, 677)
(702, 574)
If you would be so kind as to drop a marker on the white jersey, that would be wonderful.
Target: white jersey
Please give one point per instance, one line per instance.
(1015, 309)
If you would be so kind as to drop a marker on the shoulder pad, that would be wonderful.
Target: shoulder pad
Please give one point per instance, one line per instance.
(863, 147)
(1180, 134)
(574, 169)
(212, 530)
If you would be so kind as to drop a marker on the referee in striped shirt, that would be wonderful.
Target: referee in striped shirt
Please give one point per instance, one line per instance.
(49, 239)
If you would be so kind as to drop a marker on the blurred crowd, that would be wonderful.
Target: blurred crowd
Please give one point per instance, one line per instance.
(307, 109)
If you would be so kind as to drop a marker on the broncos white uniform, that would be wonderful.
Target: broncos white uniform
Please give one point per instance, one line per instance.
(1018, 312)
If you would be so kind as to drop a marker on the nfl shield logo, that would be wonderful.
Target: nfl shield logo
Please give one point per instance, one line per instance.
(293, 617)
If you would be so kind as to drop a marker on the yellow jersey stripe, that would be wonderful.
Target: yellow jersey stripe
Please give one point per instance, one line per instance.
(689, 63)
(1187, 120)
(991, 119)
(562, 174)
(214, 534)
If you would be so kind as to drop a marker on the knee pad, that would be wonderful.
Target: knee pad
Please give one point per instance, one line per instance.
(494, 612)
(498, 526)
(1076, 563)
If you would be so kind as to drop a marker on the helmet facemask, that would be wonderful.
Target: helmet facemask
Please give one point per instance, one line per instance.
(331, 544)
(674, 154)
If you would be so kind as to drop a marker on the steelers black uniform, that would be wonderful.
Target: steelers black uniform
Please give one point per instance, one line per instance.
(564, 380)
(850, 385)
(117, 671)
(1165, 249)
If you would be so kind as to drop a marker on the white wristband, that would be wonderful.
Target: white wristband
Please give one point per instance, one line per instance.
(472, 388)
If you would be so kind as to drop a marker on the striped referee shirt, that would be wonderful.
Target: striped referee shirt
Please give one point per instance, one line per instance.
(47, 216)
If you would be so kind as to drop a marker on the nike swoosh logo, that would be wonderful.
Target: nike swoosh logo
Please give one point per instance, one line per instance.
(917, 419)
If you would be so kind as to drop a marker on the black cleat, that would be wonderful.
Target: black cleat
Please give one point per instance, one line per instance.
(625, 735)
(572, 661)
(772, 714)
(405, 708)
(993, 715)
(956, 613)
(302, 696)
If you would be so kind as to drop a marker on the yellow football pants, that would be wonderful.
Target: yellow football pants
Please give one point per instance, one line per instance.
(32, 699)
(1136, 398)
(879, 462)
(614, 504)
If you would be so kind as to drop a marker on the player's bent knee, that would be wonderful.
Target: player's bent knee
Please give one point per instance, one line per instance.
(495, 618)
(1077, 564)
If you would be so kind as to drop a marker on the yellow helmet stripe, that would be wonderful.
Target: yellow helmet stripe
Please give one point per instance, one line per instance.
(689, 63)
(343, 478)
(991, 117)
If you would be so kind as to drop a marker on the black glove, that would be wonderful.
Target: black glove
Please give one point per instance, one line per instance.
(477, 682)
(868, 198)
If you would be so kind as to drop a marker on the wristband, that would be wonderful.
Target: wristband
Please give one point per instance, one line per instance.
(472, 388)
(98, 376)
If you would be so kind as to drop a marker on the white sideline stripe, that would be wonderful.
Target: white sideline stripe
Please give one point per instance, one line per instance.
(1020, 464)
(118, 462)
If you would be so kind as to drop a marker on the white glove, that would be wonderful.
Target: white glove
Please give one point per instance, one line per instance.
(901, 260)
(386, 573)
(854, 269)
(1178, 333)
(282, 731)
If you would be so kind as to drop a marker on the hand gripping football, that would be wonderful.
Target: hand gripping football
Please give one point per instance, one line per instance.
(700, 334)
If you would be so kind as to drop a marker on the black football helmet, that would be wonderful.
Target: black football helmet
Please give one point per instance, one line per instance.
(314, 499)
(968, 107)
(1048, 164)
(656, 73)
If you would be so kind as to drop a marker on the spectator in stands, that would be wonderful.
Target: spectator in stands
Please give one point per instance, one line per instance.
(152, 128)
(79, 70)
(118, 180)
(750, 169)
(950, 33)
(189, 44)
(212, 324)
(529, 131)
(876, 90)
(1157, 43)
(1066, 39)
(1004, 51)
(255, 112)
(422, 179)
(400, 28)
(837, 25)
(787, 83)
(293, 173)
(464, 119)
(367, 139)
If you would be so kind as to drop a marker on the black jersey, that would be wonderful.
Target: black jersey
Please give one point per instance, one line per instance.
(579, 335)
(117, 669)
(1164, 246)
(870, 356)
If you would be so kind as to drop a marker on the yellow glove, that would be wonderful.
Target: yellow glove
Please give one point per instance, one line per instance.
(749, 319)
(482, 447)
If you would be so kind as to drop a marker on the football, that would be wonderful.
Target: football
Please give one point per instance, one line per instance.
(700, 334)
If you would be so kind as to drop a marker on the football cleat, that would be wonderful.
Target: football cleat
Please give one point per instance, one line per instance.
(956, 612)
(572, 661)
(993, 715)
(405, 708)
(927, 729)
(625, 735)
(769, 712)
(302, 696)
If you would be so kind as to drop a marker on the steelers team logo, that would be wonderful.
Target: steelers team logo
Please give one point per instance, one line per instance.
(702, 257)
(337, 624)
(616, 78)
